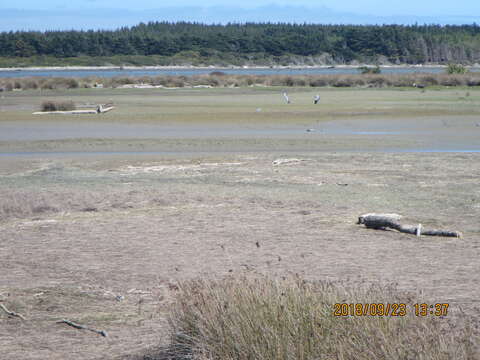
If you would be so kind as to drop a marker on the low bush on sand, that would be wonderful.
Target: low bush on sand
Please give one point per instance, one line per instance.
(263, 318)
(50, 105)
(456, 69)
(370, 70)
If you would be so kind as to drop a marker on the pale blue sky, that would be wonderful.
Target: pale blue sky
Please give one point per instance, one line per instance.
(77, 14)
(374, 7)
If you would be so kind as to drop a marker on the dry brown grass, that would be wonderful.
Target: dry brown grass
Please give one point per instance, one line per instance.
(49, 105)
(215, 79)
(187, 218)
(18, 204)
(264, 318)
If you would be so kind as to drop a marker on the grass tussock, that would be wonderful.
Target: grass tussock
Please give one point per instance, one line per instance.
(17, 204)
(261, 318)
(50, 105)
(45, 203)
(220, 79)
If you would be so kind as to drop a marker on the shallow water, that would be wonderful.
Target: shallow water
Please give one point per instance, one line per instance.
(427, 126)
(418, 135)
(34, 130)
(61, 154)
(465, 151)
(189, 72)
(446, 128)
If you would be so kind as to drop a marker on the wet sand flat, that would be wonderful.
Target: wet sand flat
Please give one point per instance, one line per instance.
(158, 120)
(99, 229)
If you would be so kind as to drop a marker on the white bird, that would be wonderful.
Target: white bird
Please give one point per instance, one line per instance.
(316, 99)
(286, 98)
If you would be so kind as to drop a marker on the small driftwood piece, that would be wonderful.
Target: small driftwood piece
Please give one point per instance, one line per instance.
(82, 327)
(384, 221)
(11, 313)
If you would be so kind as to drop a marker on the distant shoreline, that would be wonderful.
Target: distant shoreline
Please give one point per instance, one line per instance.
(172, 67)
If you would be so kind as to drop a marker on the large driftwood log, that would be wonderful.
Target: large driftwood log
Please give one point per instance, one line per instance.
(384, 221)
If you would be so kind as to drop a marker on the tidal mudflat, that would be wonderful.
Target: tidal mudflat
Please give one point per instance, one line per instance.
(100, 216)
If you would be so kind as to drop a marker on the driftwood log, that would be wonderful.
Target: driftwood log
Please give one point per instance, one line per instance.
(384, 221)
(11, 313)
(100, 109)
(82, 327)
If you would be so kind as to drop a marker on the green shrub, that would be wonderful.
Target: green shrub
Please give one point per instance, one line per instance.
(376, 80)
(250, 80)
(318, 82)
(72, 84)
(175, 82)
(428, 80)
(370, 70)
(300, 81)
(342, 82)
(453, 80)
(456, 69)
(50, 105)
(288, 81)
(473, 82)
(29, 84)
(123, 80)
(46, 85)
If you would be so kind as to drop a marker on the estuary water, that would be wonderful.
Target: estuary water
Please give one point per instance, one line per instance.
(113, 72)
(417, 135)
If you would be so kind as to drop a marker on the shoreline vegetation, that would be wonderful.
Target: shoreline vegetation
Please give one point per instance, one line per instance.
(251, 44)
(186, 60)
(225, 67)
(192, 62)
(219, 79)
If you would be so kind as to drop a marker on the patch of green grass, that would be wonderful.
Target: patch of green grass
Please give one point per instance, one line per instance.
(238, 106)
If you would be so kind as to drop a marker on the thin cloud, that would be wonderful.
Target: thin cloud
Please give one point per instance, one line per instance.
(85, 19)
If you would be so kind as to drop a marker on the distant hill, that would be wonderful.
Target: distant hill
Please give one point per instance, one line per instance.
(185, 43)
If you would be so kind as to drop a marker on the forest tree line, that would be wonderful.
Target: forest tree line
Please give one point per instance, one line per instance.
(334, 44)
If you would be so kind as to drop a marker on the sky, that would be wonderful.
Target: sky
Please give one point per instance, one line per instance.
(108, 14)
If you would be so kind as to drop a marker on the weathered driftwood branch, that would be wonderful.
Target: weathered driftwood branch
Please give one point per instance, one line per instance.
(104, 108)
(100, 109)
(82, 327)
(383, 221)
(11, 313)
